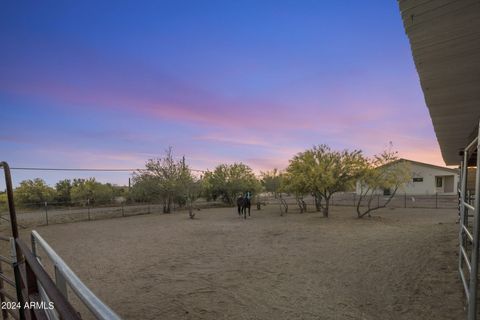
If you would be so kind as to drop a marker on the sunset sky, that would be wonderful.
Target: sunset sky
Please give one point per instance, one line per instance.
(112, 84)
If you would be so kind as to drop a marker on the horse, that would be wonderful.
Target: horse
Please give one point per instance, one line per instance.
(242, 205)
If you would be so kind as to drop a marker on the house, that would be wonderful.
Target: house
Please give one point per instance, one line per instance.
(426, 179)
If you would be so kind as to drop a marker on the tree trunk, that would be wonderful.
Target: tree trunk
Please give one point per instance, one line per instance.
(327, 207)
(370, 209)
(318, 202)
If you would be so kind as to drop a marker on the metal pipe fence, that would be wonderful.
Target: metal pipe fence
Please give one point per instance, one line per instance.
(38, 296)
(469, 228)
(65, 277)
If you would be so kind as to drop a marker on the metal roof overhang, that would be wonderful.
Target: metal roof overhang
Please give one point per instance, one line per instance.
(445, 41)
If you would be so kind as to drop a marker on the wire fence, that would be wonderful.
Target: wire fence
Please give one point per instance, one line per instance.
(35, 214)
(434, 201)
(46, 213)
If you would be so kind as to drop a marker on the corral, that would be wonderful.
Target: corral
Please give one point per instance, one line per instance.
(400, 264)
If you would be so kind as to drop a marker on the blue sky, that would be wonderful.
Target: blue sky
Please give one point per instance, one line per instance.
(112, 84)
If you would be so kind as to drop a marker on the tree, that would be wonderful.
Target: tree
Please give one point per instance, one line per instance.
(382, 172)
(3, 201)
(34, 192)
(63, 190)
(91, 191)
(228, 181)
(164, 179)
(296, 183)
(323, 172)
(271, 181)
(145, 188)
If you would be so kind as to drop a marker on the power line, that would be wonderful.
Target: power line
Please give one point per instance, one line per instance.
(86, 169)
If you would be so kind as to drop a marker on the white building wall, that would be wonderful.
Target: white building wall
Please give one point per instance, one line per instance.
(428, 185)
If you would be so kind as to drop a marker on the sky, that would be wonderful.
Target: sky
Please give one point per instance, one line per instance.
(111, 84)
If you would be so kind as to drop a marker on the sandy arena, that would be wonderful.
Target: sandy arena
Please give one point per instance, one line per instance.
(401, 264)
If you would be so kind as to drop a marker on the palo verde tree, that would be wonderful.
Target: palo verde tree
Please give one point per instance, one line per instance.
(228, 181)
(90, 191)
(63, 190)
(323, 172)
(33, 192)
(271, 181)
(294, 182)
(383, 172)
(163, 179)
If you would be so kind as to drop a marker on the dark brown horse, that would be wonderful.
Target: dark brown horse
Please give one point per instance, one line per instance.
(242, 205)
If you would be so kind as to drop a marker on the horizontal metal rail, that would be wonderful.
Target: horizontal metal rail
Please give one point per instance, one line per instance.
(91, 301)
(469, 235)
(465, 285)
(7, 280)
(472, 144)
(3, 238)
(35, 272)
(465, 258)
(6, 260)
(8, 295)
(469, 206)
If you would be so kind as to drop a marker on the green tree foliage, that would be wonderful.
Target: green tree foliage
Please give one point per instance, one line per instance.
(322, 172)
(228, 181)
(91, 191)
(33, 192)
(382, 172)
(63, 190)
(166, 180)
(3, 202)
(271, 181)
(296, 183)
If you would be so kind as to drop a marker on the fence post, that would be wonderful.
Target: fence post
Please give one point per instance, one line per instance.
(61, 282)
(46, 212)
(148, 208)
(378, 200)
(123, 211)
(88, 208)
(2, 296)
(354, 199)
(436, 200)
(405, 200)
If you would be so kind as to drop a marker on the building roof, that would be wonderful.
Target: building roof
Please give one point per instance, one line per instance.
(456, 171)
(445, 41)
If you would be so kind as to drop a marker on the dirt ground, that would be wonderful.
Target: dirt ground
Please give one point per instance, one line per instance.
(400, 264)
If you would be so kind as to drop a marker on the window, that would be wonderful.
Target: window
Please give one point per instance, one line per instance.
(387, 192)
(439, 181)
(417, 179)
